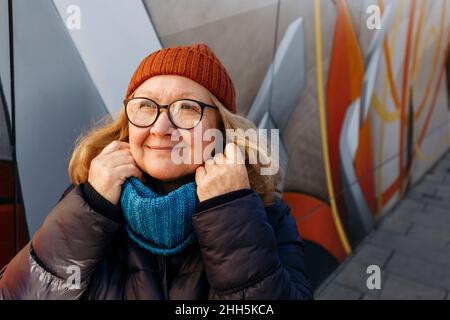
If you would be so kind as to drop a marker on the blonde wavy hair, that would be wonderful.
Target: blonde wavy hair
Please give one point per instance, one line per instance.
(88, 145)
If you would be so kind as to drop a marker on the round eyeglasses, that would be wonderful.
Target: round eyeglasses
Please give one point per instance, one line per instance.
(183, 113)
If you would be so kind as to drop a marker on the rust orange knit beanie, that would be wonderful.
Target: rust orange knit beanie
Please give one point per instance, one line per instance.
(196, 62)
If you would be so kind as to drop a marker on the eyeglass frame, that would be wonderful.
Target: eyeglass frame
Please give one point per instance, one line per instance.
(166, 106)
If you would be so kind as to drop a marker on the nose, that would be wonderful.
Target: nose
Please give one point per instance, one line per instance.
(163, 125)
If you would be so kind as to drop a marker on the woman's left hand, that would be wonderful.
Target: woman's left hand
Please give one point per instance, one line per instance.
(222, 174)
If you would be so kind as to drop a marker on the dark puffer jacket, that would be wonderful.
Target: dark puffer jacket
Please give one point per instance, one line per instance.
(244, 251)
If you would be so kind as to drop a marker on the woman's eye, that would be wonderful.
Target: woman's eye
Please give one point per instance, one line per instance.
(146, 105)
(190, 108)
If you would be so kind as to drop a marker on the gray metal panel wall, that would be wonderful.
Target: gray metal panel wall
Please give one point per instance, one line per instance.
(112, 39)
(55, 101)
(4, 53)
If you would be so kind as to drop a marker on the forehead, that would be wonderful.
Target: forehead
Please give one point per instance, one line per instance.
(171, 87)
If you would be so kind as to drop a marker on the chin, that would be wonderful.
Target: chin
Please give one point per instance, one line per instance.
(168, 172)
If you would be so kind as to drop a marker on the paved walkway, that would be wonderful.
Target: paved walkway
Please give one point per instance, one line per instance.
(411, 245)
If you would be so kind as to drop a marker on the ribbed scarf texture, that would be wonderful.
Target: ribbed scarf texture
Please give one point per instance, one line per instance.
(159, 223)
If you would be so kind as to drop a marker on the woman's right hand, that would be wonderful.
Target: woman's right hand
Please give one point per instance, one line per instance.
(110, 168)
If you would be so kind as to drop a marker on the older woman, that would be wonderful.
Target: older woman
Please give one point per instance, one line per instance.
(135, 224)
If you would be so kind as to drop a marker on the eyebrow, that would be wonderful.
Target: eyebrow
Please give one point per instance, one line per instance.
(152, 95)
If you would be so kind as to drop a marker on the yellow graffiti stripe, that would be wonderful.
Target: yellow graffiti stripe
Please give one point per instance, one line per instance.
(430, 38)
(323, 130)
(380, 108)
(438, 84)
(429, 158)
(422, 156)
(418, 38)
(435, 64)
(380, 156)
(387, 51)
(398, 19)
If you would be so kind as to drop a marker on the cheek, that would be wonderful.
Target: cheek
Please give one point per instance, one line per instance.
(137, 135)
(136, 139)
(202, 142)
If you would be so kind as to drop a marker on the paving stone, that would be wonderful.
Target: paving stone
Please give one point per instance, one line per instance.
(438, 234)
(434, 214)
(338, 292)
(443, 183)
(426, 273)
(438, 203)
(446, 180)
(411, 204)
(396, 225)
(442, 194)
(354, 276)
(371, 254)
(369, 297)
(435, 194)
(435, 178)
(431, 216)
(443, 191)
(411, 246)
(442, 167)
(396, 287)
(400, 222)
(422, 192)
(441, 210)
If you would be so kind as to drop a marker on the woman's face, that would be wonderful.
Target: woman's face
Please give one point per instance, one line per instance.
(151, 147)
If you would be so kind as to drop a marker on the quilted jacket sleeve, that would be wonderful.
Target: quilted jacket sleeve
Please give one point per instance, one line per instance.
(67, 247)
(251, 252)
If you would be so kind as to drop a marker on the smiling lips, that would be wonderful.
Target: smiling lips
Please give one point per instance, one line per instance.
(161, 148)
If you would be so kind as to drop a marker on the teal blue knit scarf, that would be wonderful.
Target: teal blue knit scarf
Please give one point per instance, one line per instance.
(159, 223)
